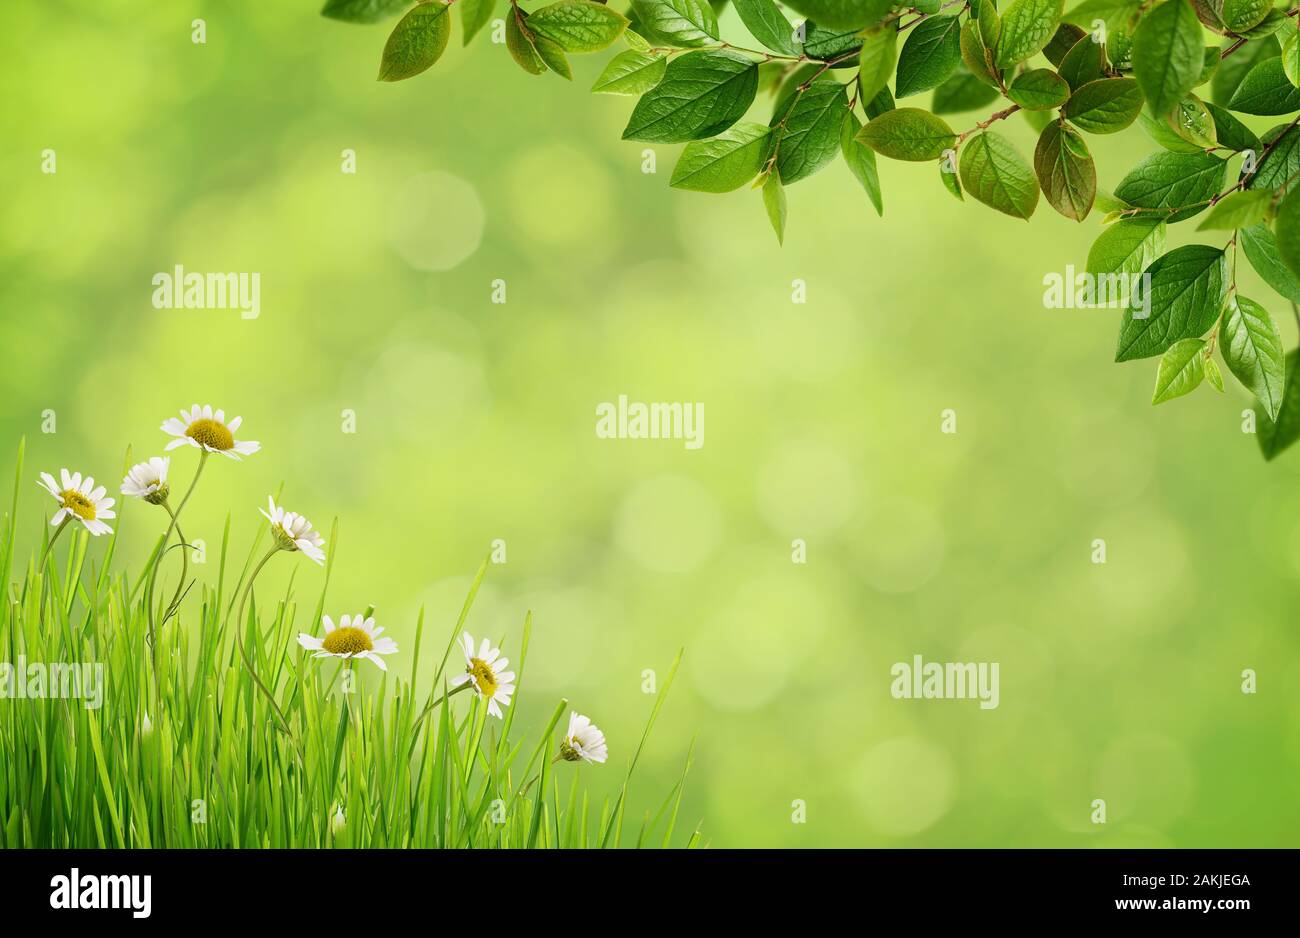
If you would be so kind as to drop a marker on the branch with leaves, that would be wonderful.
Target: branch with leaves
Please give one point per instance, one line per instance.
(1098, 69)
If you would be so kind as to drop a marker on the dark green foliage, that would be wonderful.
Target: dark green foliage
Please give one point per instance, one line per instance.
(825, 78)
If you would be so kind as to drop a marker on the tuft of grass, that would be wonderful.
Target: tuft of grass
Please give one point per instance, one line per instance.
(194, 757)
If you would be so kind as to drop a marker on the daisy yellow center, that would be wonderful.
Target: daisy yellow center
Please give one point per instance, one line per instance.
(347, 641)
(210, 433)
(78, 504)
(484, 677)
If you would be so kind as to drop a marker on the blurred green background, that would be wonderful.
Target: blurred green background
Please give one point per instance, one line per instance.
(475, 421)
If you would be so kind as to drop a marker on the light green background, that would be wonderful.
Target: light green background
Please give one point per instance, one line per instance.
(476, 421)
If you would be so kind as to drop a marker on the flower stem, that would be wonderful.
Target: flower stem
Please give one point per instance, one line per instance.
(54, 537)
(153, 573)
(45, 554)
(185, 566)
(429, 707)
(243, 652)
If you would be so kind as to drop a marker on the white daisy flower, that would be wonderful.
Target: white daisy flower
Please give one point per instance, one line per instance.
(584, 741)
(294, 532)
(207, 429)
(354, 637)
(148, 480)
(80, 499)
(486, 672)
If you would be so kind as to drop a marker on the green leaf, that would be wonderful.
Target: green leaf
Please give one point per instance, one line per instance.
(931, 53)
(882, 102)
(1027, 26)
(1185, 293)
(1276, 434)
(1272, 22)
(978, 58)
(1038, 89)
(876, 60)
(1252, 350)
(1291, 57)
(1190, 120)
(677, 22)
(1159, 130)
(1241, 15)
(861, 160)
(724, 163)
(1209, 65)
(1266, 90)
(774, 203)
(989, 26)
(1182, 369)
(552, 55)
(635, 41)
(579, 25)
(1182, 183)
(702, 94)
(995, 174)
(1286, 227)
(1127, 247)
(1065, 38)
(806, 133)
(1230, 132)
(1168, 54)
(1116, 14)
(1238, 210)
(1213, 375)
(1260, 248)
(474, 15)
(768, 25)
(1065, 170)
(1084, 63)
(950, 181)
(908, 133)
(1280, 165)
(520, 46)
(843, 14)
(826, 45)
(363, 11)
(631, 72)
(1105, 106)
(417, 41)
(1235, 67)
(962, 92)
